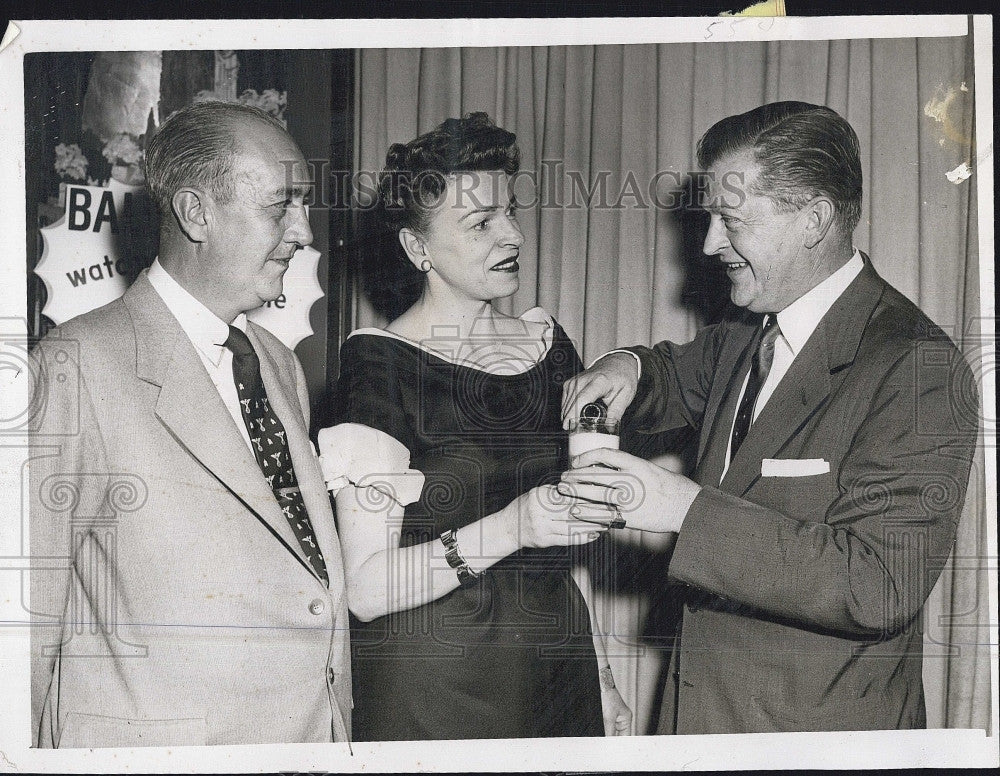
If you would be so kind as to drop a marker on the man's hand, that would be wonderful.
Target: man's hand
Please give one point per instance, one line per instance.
(613, 378)
(649, 497)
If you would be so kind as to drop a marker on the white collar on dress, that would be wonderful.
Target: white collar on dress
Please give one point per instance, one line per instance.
(534, 315)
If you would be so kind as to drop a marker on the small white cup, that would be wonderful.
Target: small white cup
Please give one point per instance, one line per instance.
(587, 434)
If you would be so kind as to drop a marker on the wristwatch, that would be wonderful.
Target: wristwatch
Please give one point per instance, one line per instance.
(607, 678)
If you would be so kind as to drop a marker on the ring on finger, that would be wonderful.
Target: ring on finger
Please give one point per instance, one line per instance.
(617, 521)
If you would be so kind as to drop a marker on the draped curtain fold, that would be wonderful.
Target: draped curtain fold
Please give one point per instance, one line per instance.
(627, 268)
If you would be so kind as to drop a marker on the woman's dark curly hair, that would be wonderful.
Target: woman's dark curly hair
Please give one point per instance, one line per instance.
(410, 187)
(416, 173)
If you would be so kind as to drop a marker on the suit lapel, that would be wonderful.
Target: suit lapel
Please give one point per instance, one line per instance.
(807, 384)
(190, 407)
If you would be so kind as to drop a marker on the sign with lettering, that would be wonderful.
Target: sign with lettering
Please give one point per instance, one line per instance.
(79, 263)
(81, 269)
(287, 317)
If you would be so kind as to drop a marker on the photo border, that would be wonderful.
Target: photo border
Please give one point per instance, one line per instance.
(882, 749)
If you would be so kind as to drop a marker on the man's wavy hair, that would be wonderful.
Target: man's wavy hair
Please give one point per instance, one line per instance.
(416, 173)
(803, 150)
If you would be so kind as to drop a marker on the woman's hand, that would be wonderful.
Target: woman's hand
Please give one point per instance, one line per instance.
(541, 518)
(617, 714)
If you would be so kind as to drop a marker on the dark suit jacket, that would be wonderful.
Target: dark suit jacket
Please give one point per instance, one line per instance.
(803, 593)
(171, 602)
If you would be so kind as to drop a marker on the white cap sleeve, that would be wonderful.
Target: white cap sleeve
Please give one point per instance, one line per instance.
(355, 454)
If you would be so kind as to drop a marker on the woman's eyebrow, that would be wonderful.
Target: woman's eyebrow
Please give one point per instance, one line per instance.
(483, 209)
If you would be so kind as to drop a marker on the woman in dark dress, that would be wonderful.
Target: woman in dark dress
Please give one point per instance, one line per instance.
(467, 622)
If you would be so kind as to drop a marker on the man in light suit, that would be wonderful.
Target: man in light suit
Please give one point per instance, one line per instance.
(187, 585)
(834, 450)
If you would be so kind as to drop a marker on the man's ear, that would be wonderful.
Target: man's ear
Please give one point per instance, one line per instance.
(413, 245)
(190, 208)
(820, 214)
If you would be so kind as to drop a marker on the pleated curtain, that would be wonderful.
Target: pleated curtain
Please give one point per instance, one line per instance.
(628, 270)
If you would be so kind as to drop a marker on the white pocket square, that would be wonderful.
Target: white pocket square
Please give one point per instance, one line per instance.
(793, 467)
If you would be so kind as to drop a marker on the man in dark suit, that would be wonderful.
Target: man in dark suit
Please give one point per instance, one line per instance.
(833, 455)
(189, 587)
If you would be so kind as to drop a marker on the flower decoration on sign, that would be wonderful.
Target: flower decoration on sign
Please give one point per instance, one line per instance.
(270, 100)
(71, 162)
(126, 155)
(122, 149)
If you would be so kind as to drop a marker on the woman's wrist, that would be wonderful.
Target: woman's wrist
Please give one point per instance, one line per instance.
(486, 541)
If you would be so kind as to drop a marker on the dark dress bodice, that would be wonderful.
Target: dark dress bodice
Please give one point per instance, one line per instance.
(512, 655)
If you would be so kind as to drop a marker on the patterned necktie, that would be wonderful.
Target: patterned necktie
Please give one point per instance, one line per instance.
(759, 369)
(267, 438)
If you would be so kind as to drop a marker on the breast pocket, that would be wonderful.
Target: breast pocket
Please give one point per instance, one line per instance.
(806, 497)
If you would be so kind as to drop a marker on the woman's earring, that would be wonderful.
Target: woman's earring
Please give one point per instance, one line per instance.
(425, 265)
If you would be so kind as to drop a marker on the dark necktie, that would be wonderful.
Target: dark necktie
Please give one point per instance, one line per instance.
(759, 369)
(267, 438)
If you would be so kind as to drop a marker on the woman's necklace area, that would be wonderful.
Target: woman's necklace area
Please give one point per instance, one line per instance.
(502, 356)
(495, 344)
(501, 346)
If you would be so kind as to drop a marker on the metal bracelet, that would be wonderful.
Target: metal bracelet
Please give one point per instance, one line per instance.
(466, 575)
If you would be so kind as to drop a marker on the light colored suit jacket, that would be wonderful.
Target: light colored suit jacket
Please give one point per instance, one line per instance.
(171, 602)
(803, 580)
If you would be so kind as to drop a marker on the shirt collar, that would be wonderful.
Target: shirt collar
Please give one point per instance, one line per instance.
(799, 320)
(207, 332)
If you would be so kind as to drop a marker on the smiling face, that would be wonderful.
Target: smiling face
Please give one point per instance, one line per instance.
(473, 240)
(763, 248)
(253, 237)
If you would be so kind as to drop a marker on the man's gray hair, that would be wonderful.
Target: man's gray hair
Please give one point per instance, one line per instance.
(196, 146)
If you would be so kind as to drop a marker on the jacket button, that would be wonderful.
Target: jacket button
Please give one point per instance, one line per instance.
(316, 606)
(331, 675)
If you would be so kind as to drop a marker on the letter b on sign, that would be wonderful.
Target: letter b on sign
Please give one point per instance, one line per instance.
(79, 210)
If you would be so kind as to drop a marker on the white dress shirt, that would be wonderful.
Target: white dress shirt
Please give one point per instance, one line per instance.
(208, 333)
(797, 322)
